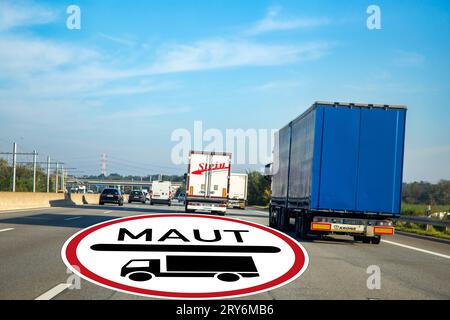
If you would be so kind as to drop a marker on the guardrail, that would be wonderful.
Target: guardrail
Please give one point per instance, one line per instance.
(425, 220)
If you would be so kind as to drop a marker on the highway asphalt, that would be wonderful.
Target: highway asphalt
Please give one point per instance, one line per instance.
(31, 265)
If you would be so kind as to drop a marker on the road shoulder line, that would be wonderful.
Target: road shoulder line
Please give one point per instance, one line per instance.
(72, 218)
(416, 249)
(422, 237)
(53, 292)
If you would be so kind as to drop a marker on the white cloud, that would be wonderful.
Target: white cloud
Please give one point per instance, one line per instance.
(18, 14)
(222, 53)
(20, 55)
(37, 69)
(33, 68)
(271, 23)
(145, 112)
(408, 58)
(132, 89)
(120, 40)
(277, 85)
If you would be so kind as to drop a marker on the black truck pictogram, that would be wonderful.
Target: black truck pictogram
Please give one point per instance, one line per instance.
(225, 268)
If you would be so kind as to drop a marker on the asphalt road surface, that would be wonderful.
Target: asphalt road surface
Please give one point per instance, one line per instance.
(31, 265)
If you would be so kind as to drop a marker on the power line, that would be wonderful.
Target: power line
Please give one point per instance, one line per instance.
(142, 163)
(148, 168)
(34, 163)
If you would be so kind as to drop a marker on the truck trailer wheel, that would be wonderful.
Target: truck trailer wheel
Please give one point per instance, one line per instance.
(302, 226)
(366, 240)
(376, 240)
(283, 219)
(297, 226)
(272, 218)
(188, 210)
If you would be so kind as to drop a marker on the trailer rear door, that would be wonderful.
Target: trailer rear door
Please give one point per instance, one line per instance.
(218, 175)
(209, 175)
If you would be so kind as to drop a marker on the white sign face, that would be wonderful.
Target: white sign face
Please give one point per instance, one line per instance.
(185, 256)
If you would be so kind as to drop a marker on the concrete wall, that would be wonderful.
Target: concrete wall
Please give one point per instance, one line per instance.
(80, 199)
(30, 200)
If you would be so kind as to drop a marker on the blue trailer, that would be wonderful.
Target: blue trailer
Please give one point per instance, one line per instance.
(338, 169)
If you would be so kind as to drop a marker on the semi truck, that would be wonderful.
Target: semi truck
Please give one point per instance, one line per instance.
(207, 182)
(337, 169)
(237, 196)
(161, 193)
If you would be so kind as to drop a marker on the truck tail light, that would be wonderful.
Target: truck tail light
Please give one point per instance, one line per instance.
(191, 190)
(320, 226)
(224, 192)
(384, 230)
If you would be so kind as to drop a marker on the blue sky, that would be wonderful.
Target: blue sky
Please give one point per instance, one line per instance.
(138, 70)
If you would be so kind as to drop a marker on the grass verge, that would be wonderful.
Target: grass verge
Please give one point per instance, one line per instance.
(421, 209)
(261, 207)
(421, 229)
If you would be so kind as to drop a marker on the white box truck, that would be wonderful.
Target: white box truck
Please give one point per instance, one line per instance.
(161, 193)
(207, 182)
(237, 195)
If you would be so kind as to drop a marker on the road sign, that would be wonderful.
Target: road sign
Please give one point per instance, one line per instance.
(183, 256)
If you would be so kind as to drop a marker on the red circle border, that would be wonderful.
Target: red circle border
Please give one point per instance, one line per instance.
(72, 259)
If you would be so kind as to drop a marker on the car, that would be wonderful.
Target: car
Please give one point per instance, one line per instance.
(137, 196)
(111, 196)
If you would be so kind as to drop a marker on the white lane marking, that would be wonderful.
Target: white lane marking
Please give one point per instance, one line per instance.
(8, 229)
(26, 210)
(53, 292)
(72, 218)
(416, 249)
(38, 218)
(107, 212)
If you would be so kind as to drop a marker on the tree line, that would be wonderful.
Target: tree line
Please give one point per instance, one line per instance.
(427, 193)
(24, 178)
(153, 177)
